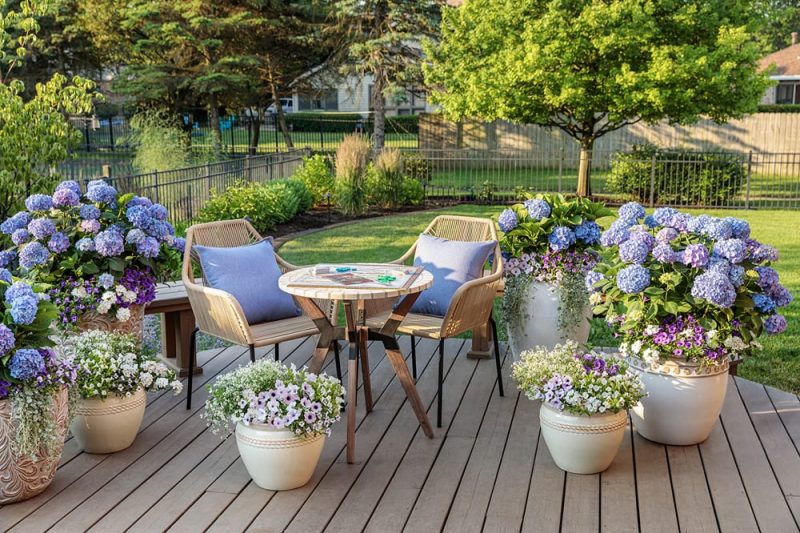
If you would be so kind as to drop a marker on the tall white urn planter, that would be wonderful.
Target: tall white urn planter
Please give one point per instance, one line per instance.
(277, 459)
(536, 323)
(108, 425)
(683, 402)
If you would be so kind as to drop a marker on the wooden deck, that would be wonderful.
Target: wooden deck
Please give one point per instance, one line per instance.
(487, 469)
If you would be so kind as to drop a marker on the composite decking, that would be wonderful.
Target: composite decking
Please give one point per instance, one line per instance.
(486, 469)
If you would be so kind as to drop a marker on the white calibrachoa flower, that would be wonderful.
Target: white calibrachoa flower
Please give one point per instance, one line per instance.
(111, 363)
(123, 314)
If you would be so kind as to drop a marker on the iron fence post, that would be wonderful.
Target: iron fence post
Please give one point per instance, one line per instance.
(111, 132)
(560, 167)
(749, 174)
(155, 186)
(321, 136)
(653, 181)
(275, 127)
(86, 136)
(208, 175)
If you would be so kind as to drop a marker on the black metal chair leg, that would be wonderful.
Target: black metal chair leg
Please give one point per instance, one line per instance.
(497, 356)
(252, 353)
(414, 357)
(278, 352)
(192, 357)
(441, 384)
(336, 360)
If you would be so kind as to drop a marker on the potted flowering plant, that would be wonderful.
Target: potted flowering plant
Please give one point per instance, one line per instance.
(688, 294)
(549, 243)
(34, 384)
(282, 416)
(585, 397)
(100, 251)
(113, 376)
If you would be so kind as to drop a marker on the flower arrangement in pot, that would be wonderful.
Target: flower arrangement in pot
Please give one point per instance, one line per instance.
(34, 383)
(549, 244)
(688, 294)
(281, 415)
(585, 400)
(100, 251)
(113, 378)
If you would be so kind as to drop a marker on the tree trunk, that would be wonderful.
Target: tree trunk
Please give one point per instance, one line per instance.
(255, 130)
(379, 109)
(216, 132)
(585, 168)
(279, 114)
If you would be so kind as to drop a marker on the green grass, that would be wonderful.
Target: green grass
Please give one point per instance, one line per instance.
(387, 238)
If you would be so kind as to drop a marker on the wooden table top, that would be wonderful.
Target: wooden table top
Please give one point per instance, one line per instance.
(350, 293)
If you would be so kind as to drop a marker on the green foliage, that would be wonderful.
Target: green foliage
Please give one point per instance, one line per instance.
(352, 163)
(265, 205)
(157, 141)
(412, 192)
(779, 108)
(681, 177)
(780, 19)
(385, 181)
(316, 174)
(328, 122)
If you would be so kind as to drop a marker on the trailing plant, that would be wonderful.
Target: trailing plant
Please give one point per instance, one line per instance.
(352, 161)
(267, 392)
(568, 378)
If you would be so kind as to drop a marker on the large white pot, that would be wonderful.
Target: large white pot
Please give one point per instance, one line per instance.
(536, 324)
(582, 444)
(277, 459)
(110, 425)
(683, 401)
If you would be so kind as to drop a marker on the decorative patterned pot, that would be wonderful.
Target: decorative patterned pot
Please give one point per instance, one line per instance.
(537, 322)
(21, 477)
(277, 459)
(134, 325)
(683, 401)
(582, 444)
(110, 425)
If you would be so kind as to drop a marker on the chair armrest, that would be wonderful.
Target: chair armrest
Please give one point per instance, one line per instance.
(218, 313)
(285, 265)
(471, 306)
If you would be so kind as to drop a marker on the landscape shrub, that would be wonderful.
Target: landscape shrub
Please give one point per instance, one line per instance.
(326, 122)
(417, 166)
(385, 180)
(157, 141)
(352, 163)
(316, 174)
(412, 192)
(264, 204)
(779, 108)
(681, 176)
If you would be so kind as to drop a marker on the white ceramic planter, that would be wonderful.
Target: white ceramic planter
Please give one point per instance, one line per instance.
(683, 402)
(537, 322)
(110, 425)
(277, 459)
(582, 444)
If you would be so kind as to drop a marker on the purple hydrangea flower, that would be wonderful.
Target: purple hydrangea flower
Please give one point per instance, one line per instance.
(179, 243)
(719, 264)
(69, 185)
(640, 233)
(667, 235)
(106, 281)
(58, 243)
(714, 287)
(18, 221)
(695, 255)
(507, 219)
(109, 243)
(158, 212)
(7, 339)
(717, 229)
(66, 198)
(140, 201)
(100, 192)
(736, 275)
(89, 212)
(85, 245)
(7, 257)
(23, 309)
(734, 250)
(41, 228)
(561, 238)
(760, 253)
(633, 279)
(537, 209)
(631, 211)
(140, 217)
(20, 237)
(767, 277)
(38, 202)
(5, 275)
(135, 236)
(650, 221)
(33, 254)
(19, 289)
(26, 364)
(739, 227)
(593, 277)
(775, 324)
(160, 230)
(663, 215)
(148, 247)
(588, 232)
(664, 253)
(781, 295)
(90, 226)
(763, 303)
(633, 251)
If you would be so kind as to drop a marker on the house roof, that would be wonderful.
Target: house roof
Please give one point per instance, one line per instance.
(786, 61)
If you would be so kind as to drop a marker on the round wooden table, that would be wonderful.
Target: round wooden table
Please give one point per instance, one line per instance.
(351, 296)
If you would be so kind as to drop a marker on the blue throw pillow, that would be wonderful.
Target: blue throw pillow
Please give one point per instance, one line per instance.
(452, 264)
(250, 273)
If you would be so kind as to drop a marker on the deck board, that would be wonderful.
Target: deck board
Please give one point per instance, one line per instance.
(487, 469)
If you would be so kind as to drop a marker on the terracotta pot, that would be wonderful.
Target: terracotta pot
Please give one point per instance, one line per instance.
(110, 425)
(133, 326)
(683, 402)
(537, 322)
(21, 477)
(582, 444)
(277, 459)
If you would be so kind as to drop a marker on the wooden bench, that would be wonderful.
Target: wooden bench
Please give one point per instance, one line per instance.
(177, 323)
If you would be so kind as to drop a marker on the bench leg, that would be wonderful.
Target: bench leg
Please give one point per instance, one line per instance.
(169, 339)
(480, 343)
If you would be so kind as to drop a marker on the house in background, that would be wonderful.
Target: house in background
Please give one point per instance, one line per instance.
(786, 73)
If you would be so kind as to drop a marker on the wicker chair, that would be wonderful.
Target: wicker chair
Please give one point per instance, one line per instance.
(219, 314)
(471, 306)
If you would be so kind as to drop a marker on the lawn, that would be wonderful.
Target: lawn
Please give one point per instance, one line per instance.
(386, 238)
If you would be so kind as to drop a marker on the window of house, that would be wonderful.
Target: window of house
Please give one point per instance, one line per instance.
(788, 92)
(320, 101)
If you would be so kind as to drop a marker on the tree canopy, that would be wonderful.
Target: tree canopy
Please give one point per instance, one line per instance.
(590, 67)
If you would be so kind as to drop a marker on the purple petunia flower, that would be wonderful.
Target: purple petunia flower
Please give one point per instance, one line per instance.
(7, 339)
(33, 254)
(775, 324)
(695, 255)
(561, 238)
(109, 243)
(537, 208)
(633, 251)
(507, 220)
(26, 364)
(58, 243)
(66, 198)
(41, 228)
(38, 202)
(633, 279)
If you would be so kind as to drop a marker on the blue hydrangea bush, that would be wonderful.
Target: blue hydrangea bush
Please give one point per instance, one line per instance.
(692, 288)
(100, 250)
